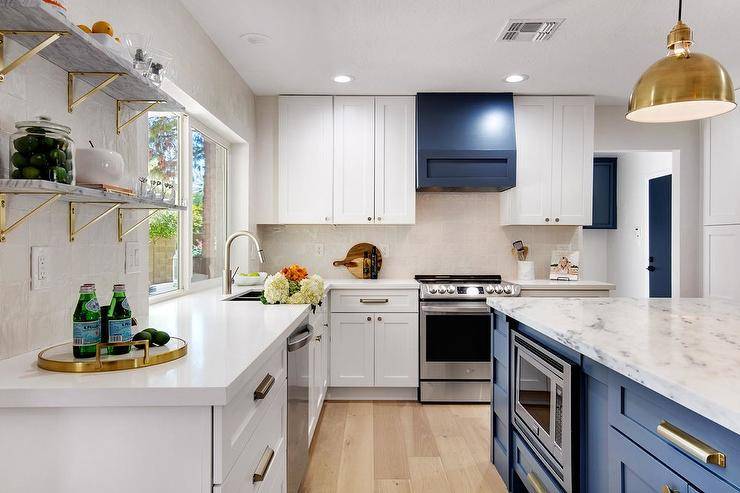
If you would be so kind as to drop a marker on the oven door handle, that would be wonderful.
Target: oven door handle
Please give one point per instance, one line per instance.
(461, 308)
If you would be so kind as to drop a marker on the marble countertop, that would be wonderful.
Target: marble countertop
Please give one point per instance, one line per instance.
(546, 284)
(227, 342)
(687, 350)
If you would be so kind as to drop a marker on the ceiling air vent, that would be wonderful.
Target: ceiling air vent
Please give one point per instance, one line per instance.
(534, 30)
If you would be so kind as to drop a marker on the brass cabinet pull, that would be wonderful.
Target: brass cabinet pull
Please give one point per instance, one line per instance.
(667, 489)
(537, 485)
(691, 445)
(264, 387)
(370, 301)
(264, 465)
(380, 319)
(318, 338)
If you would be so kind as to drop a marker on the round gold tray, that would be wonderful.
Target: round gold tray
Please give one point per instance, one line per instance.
(60, 357)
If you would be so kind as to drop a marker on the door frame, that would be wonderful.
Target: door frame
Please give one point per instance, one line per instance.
(646, 232)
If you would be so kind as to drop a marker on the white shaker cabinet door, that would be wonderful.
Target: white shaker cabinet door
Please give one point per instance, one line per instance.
(530, 201)
(354, 121)
(573, 160)
(721, 268)
(352, 350)
(721, 140)
(305, 161)
(397, 350)
(395, 162)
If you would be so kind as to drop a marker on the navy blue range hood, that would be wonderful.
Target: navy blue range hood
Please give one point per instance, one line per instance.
(465, 141)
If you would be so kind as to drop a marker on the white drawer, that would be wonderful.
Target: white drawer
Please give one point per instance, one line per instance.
(375, 300)
(270, 435)
(235, 423)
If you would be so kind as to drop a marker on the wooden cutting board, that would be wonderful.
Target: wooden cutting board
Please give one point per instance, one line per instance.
(355, 257)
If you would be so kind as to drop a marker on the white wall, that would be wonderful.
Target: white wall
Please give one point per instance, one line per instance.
(594, 255)
(33, 319)
(614, 133)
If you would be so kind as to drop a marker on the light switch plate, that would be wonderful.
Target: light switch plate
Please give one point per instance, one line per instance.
(40, 267)
(134, 259)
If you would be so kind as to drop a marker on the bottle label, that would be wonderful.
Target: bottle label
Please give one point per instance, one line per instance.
(85, 333)
(92, 305)
(119, 330)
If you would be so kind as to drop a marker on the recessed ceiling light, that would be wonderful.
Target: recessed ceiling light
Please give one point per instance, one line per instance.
(343, 79)
(513, 78)
(256, 38)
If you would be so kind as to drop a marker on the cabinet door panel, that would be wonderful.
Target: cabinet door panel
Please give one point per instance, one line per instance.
(721, 270)
(529, 201)
(395, 186)
(397, 350)
(722, 168)
(305, 160)
(573, 153)
(354, 142)
(352, 350)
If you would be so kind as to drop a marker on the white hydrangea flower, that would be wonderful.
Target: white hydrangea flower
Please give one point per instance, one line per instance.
(277, 288)
(311, 292)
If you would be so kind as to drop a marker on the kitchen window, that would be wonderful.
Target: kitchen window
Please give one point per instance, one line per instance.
(193, 159)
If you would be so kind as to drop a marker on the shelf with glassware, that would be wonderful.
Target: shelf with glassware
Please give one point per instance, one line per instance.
(44, 32)
(77, 197)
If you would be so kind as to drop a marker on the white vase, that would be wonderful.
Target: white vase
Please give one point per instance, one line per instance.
(525, 270)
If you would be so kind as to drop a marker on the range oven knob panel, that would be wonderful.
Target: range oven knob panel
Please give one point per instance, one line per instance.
(432, 289)
(507, 289)
(451, 289)
(499, 289)
(489, 289)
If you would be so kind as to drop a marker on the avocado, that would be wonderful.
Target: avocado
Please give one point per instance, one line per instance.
(142, 336)
(160, 338)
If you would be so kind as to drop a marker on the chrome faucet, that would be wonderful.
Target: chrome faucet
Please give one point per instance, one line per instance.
(227, 256)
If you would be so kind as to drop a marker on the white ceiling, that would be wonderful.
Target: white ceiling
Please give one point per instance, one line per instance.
(407, 46)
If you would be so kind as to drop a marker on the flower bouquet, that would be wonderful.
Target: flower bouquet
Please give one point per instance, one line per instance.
(293, 285)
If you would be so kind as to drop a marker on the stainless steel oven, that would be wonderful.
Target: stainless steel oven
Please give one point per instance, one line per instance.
(543, 402)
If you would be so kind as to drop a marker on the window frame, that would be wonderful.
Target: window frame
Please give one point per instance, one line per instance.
(185, 217)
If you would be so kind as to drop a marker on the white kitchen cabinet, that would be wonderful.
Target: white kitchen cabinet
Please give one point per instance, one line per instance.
(352, 350)
(721, 146)
(305, 161)
(318, 366)
(721, 269)
(555, 140)
(397, 350)
(395, 158)
(354, 162)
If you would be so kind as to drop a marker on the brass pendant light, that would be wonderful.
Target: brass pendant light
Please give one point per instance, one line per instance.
(682, 86)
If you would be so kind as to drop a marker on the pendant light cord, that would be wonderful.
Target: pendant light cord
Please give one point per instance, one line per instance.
(680, 4)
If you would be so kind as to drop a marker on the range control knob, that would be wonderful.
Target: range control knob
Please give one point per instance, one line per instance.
(451, 289)
(498, 289)
(507, 289)
(432, 289)
(489, 288)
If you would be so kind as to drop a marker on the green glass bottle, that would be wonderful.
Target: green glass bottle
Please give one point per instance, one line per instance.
(86, 323)
(119, 320)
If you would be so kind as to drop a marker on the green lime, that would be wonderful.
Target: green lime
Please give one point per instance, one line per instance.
(59, 174)
(16, 174)
(142, 336)
(30, 173)
(26, 144)
(38, 160)
(151, 330)
(18, 160)
(57, 157)
(160, 338)
(47, 143)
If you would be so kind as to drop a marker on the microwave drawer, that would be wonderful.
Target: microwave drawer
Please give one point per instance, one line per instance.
(533, 475)
(375, 300)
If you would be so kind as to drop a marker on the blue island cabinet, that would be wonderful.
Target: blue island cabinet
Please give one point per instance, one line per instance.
(500, 419)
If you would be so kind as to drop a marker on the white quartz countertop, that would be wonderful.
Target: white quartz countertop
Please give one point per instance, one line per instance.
(546, 284)
(687, 350)
(227, 342)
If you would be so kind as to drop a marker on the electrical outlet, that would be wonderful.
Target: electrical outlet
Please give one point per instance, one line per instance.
(40, 268)
(318, 249)
(384, 250)
(134, 260)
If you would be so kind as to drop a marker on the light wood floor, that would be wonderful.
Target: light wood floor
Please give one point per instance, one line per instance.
(401, 447)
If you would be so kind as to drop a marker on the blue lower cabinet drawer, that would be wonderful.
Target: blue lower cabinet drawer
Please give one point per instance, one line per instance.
(668, 431)
(532, 474)
(632, 470)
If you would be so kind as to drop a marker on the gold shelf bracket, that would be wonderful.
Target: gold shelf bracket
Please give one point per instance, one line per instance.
(6, 69)
(151, 103)
(4, 229)
(123, 232)
(73, 230)
(71, 101)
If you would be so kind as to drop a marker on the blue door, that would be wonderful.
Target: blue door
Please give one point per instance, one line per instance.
(659, 231)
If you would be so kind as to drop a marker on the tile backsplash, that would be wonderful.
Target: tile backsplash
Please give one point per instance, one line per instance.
(29, 319)
(456, 233)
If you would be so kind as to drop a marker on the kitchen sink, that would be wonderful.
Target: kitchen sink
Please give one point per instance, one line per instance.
(248, 296)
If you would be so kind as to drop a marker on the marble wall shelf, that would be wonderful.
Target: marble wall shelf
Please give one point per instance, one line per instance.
(78, 52)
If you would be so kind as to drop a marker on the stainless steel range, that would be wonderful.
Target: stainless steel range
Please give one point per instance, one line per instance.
(455, 336)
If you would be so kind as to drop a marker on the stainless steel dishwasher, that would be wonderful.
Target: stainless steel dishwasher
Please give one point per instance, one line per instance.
(298, 404)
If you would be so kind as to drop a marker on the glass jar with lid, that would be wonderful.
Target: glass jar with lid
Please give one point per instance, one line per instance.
(42, 150)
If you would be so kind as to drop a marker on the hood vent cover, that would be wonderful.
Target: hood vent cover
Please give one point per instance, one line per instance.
(532, 30)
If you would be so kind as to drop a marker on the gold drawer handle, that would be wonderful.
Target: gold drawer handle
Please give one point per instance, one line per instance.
(691, 445)
(264, 387)
(536, 483)
(264, 465)
(373, 300)
(667, 489)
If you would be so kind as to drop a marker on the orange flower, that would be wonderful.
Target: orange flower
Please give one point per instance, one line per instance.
(295, 272)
